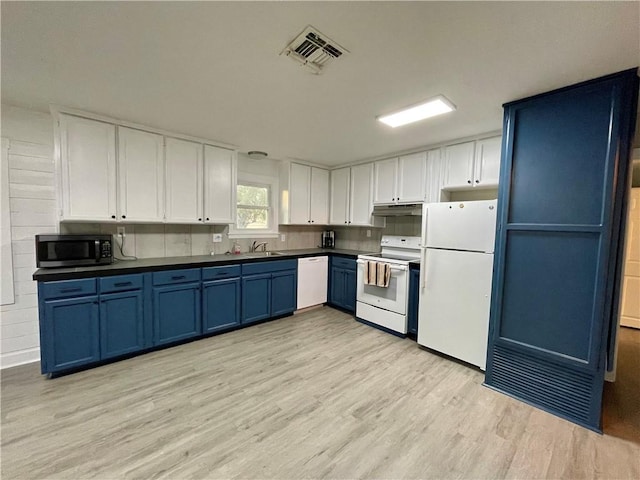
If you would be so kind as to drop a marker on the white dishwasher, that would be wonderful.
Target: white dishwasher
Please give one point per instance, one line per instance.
(312, 281)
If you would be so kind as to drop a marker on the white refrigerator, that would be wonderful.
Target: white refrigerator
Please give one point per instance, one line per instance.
(456, 272)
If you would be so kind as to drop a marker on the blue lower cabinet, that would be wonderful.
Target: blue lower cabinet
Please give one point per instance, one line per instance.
(121, 323)
(337, 288)
(342, 283)
(220, 304)
(283, 292)
(414, 297)
(256, 298)
(70, 333)
(350, 287)
(176, 312)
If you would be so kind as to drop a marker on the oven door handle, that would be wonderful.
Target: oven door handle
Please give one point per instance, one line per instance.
(397, 268)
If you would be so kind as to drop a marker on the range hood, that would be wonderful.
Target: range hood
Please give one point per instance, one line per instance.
(409, 209)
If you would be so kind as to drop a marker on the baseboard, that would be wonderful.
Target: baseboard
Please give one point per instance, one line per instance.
(13, 359)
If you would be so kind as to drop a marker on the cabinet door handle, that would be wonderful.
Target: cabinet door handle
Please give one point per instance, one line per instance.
(121, 284)
(178, 277)
(207, 219)
(468, 181)
(70, 290)
(113, 216)
(477, 181)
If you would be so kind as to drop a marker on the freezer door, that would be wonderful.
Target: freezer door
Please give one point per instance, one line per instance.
(454, 304)
(462, 225)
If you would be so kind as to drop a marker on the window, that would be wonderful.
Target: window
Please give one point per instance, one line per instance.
(256, 198)
(253, 207)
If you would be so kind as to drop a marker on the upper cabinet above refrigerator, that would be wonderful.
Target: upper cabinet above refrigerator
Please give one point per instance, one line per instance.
(472, 164)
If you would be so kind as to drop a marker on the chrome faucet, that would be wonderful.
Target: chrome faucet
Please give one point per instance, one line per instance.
(255, 246)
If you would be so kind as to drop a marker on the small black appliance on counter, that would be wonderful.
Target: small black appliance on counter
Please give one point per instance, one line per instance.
(328, 239)
(73, 250)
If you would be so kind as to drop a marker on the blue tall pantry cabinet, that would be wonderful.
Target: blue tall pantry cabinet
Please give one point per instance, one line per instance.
(561, 208)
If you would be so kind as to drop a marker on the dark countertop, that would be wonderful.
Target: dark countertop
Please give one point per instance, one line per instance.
(121, 267)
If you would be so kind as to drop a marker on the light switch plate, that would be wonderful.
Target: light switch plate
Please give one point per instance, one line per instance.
(368, 233)
(217, 237)
(282, 237)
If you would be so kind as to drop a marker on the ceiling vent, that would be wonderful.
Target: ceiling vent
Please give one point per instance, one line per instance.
(313, 50)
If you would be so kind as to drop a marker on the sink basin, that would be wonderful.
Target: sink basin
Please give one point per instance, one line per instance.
(263, 254)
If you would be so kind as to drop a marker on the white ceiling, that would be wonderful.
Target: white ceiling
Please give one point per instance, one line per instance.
(212, 69)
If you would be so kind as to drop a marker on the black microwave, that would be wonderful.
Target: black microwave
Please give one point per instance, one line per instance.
(73, 250)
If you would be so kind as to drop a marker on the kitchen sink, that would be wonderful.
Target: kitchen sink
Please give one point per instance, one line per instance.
(263, 254)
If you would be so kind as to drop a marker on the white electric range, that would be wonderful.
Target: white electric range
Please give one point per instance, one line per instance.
(386, 307)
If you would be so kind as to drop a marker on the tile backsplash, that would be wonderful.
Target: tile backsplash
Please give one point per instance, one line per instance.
(159, 240)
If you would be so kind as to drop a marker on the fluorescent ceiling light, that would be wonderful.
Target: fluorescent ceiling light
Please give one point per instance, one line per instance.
(430, 108)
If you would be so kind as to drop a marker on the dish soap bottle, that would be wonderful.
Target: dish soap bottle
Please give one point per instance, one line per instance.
(236, 248)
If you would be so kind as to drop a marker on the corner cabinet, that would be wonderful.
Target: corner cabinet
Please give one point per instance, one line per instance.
(472, 164)
(304, 195)
(87, 168)
(343, 283)
(400, 180)
(351, 193)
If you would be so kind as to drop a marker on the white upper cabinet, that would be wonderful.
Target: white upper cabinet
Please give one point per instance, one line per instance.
(183, 160)
(386, 174)
(87, 169)
(140, 176)
(299, 193)
(339, 193)
(305, 195)
(361, 195)
(487, 162)
(473, 164)
(220, 173)
(459, 165)
(411, 178)
(352, 197)
(319, 208)
(434, 176)
(400, 180)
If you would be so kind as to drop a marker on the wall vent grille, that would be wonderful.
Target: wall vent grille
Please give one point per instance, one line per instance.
(554, 387)
(313, 50)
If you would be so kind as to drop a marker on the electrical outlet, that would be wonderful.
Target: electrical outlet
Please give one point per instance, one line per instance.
(283, 237)
(120, 231)
(217, 237)
(368, 233)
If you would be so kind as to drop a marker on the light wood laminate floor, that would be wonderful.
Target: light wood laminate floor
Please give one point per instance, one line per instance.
(316, 395)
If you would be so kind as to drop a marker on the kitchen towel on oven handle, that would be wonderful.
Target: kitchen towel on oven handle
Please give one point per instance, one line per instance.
(377, 273)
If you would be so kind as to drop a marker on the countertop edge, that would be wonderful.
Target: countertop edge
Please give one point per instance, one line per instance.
(174, 263)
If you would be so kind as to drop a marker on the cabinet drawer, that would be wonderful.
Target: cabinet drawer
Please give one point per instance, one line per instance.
(176, 276)
(342, 262)
(217, 273)
(269, 266)
(120, 283)
(69, 288)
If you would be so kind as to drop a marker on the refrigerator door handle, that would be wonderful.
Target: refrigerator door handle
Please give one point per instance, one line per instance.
(423, 268)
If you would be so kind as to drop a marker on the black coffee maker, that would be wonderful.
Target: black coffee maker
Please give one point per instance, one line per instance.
(328, 239)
